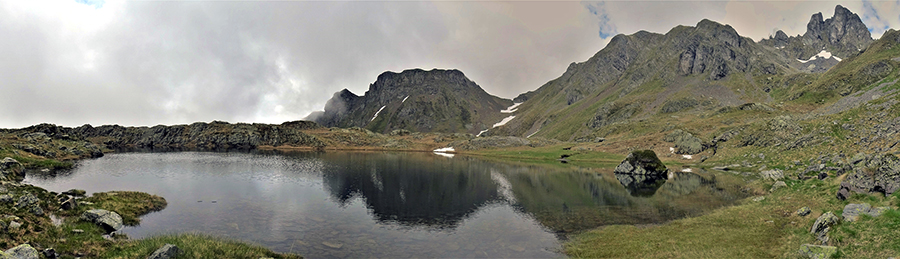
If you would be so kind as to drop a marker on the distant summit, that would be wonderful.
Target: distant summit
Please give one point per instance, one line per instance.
(416, 100)
(825, 42)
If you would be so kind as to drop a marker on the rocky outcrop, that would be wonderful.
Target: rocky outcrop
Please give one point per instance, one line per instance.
(108, 220)
(854, 210)
(685, 142)
(11, 170)
(870, 174)
(642, 162)
(822, 225)
(416, 100)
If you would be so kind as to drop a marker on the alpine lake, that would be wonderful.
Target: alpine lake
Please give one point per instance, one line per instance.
(389, 204)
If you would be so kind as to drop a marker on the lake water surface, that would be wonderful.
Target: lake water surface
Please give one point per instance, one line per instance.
(355, 204)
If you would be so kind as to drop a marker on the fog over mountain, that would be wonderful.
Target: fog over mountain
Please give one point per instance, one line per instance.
(146, 63)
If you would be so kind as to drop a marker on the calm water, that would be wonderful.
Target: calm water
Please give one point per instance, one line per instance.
(345, 204)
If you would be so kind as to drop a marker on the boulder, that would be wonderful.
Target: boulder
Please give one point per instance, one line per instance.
(878, 173)
(14, 225)
(50, 253)
(68, 204)
(110, 221)
(23, 251)
(27, 200)
(167, 251)
(642, 162)
(853, 210)
(804, 211)
(817, 252)
(822, 225)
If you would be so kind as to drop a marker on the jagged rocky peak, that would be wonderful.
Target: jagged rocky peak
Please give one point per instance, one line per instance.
(844, 28)
(825, 42)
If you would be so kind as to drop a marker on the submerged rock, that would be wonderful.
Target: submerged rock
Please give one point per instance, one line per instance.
(642, 162)
(109, 220)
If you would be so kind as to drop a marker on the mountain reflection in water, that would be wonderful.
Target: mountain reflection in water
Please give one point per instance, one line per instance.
(388, 204)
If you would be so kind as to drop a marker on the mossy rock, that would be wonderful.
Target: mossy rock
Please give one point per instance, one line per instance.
(642, 162)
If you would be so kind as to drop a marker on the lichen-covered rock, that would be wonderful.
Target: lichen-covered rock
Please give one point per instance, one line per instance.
(878, 173)
(642, 162)
(804, 211)
(27, 200)
(774, 174)
(109, 220)
(817, 252)
(777, 185)
(685, 143)
(853, 210)
(822, 225)
(23, 251)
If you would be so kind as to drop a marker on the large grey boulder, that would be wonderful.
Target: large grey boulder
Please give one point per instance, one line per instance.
(23, 251)
(167, 251)
(822, 225)
(853, 210)
(109, 220)
(642, 162)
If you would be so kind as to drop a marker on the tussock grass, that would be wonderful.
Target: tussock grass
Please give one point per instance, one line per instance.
(193, 245)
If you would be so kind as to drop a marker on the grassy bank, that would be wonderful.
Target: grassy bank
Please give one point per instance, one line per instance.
(194, 246)
(769, 228)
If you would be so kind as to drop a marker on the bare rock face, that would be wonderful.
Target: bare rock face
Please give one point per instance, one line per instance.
(11, 170)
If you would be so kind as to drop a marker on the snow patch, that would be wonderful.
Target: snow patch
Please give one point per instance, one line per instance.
(779, 47)
(444, 150)
(672, 150)
(687, 156)
(504, 121)
(686, 170)
(511, 109)
(404, 99)
(532, 134)
(822, 54)
(376, 113)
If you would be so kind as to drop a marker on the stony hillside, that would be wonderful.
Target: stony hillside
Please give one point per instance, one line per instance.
(688, 70)
(416, 100)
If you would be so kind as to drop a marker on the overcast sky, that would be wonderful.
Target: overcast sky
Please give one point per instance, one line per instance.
(75, 62)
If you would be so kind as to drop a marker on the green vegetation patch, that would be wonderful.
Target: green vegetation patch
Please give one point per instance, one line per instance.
(130, 205)
(193, 245)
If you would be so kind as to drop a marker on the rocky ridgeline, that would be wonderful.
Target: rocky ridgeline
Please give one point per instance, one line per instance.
(844, 35)
(199, 136)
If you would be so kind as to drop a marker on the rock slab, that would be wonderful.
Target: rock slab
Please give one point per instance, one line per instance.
(853, 210)
(167, 251)
(109, 220)
(817, 252)
(23, 251)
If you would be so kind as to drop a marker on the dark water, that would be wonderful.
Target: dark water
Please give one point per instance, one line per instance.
(344, 204)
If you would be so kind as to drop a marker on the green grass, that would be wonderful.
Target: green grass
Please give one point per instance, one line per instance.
(130, 205)
(34, 163)
(193, 245)
(550, 155)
